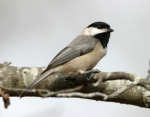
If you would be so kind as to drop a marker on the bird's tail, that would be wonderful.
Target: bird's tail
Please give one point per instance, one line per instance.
(37, 81)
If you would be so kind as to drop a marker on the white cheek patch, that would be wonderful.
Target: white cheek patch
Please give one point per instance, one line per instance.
(93, 31)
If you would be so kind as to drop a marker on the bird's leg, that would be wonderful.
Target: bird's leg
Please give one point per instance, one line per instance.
(89, 74)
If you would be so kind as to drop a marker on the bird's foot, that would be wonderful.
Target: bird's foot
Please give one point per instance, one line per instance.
(89, 74)
(84, 77)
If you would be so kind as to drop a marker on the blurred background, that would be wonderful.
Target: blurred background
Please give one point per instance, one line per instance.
(33, 31)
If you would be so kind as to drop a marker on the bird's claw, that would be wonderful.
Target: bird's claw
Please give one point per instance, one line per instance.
(89, 74)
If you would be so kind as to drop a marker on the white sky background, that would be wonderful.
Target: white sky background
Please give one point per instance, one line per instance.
(33, 31)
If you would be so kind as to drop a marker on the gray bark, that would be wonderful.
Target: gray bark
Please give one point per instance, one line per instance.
(118, 87)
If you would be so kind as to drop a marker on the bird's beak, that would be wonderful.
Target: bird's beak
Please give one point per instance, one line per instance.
(110, 30)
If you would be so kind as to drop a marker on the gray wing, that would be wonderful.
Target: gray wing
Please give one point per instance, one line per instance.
(79, 46)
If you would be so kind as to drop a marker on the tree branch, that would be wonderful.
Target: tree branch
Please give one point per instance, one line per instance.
(106, 86)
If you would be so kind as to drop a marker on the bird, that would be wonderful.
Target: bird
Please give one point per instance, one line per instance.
(81, 55)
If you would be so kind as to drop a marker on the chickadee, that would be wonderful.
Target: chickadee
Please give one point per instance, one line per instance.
(82, 54)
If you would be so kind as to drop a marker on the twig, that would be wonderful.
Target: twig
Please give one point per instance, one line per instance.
(148, 75)
(5, 97)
